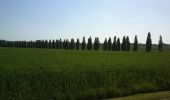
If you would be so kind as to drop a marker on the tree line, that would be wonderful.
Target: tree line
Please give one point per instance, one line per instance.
(107, 45)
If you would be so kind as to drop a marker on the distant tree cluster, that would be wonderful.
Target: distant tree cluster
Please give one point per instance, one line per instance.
(115, 46)
(125, 44)
(96, 44)
(107, 45)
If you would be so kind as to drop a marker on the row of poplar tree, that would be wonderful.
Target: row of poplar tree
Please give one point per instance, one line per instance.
(96, 45)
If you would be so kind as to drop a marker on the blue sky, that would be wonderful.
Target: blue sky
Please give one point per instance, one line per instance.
(54, 19)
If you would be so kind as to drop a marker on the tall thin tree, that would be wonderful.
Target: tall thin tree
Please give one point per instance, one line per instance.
(77, 44)
(60, 44)
(135, 45)
(83, 44)
(53, 44)
(127, 44)
(50, 44)
(109, 44)
(118, 44)
(67, 44)
(105, 46)
(114, 45)
(72, 44)
(123, 46)
(160, 45)
(148, 43)
(89, 44)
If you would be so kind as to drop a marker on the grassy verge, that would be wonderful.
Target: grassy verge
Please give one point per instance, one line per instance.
(149, 96)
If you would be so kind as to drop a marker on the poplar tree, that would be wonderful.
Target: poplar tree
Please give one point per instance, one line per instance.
(105, 46)
(83, 44)
(135, 45)
(127, 44)
(123, 46)
(118, 44)
(114, 45)
(60, 44)
(50, 45)
(72, 44)
(160, 45)
(53, 44)
(77, 44)
(67, 44)
(109, 44)
(96, 44)
(64, 44)
(148, 43)
(89, 44)
(57, 44)
(43, 44)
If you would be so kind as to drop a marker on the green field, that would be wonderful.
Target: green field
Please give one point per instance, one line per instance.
(50, 74)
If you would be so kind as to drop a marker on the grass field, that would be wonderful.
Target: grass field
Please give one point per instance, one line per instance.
(43, 74)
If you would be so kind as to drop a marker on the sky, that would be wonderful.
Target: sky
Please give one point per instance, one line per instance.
(54, 19)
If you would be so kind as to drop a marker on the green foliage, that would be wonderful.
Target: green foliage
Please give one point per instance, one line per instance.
(60, 44)
(89, 43)
(114, 45)
(123, 46)
(67, 74)
(72, 44)
(50, 44)
(53, 44)
(83, 44)
(118, 44)
(109, 44)
(127, 44)
(135, 45)
(160, 45)
(96, 44)
(148, 43)
(66, 44)
(57, 44)
(105, 44)
(77, 44)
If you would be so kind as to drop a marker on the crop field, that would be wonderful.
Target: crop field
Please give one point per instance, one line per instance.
(51, 74)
